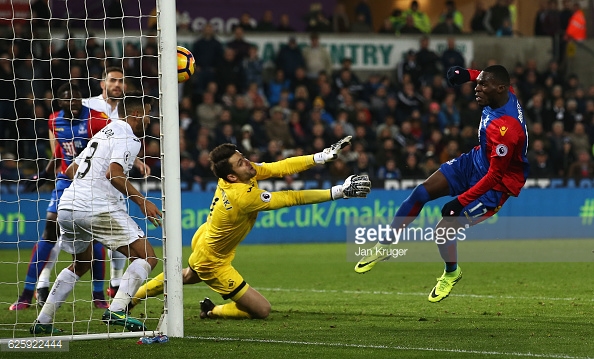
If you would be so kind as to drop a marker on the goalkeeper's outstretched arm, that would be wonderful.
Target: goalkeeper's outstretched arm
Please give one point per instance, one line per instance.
(298, 164)
(260, 200)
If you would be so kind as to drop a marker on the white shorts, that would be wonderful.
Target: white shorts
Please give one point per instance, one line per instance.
(112, 229)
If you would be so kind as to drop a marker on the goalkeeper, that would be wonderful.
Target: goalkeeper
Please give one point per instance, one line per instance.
(233, 212)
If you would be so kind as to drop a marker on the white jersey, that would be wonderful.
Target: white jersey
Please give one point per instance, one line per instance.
(98, 103)
(90, 190)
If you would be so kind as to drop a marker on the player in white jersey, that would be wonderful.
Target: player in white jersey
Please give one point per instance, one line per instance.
(94, 208)
(113, 87)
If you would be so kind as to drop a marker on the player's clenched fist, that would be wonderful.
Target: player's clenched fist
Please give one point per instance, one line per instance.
(457, 76)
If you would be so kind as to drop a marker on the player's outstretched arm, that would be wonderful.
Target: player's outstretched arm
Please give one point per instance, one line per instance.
(298, 164)
(354, 186)
(115, 174)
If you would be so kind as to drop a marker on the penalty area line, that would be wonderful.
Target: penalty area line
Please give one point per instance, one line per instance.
(397, 347)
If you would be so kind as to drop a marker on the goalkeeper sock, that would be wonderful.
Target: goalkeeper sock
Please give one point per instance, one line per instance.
(44, 276)
(39, 257)
(58, 294)
(153, 288)
(118, 262)
(137, 272)
(98, 267)
(229, 311)
(411, 207)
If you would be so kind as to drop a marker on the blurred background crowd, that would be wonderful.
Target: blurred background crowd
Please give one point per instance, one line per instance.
(404, 124)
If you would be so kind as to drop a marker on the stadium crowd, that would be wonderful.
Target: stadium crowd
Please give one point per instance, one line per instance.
(404, 125)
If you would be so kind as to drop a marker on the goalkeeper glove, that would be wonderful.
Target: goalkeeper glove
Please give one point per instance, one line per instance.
(331, 153)
(354, 186)
(452, 209)
(36, 181)
(457, 76)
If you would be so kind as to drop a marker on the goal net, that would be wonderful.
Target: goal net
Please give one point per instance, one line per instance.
(43, 45)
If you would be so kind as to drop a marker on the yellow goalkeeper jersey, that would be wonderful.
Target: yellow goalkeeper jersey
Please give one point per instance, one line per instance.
(235, 206)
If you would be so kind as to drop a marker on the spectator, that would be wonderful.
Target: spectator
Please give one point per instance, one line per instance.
(539, 19)
(202, 171)
(246, 22)
(253, 67)
(565, 14)
(389, 171)
(579, 139)
(276, 86)
(239, 44)
(505, 29)
(583, 168)
(449, 114)
(255, 95)
(420, 19)
(339, 169)
(289, 58)
(541, 166)
(496, 15)
(208, 112)
(260, 138)
(427, 60)
(409, 27)
(363, 8)
(446, 27)
(477, 23)
(240, 113)
(229, 71)
(317, 58)
(564, 160)
(316, 20)
(363, 166)
(387, 27)
(340, 19)
(360, 26)
(208, 53)
(450, 10)
(451, 56)
(411, 168)
(266, 24)
(246, 139)
(397, 20)
(277, 128)
(285, 24)
(576, 29)
(187, 173)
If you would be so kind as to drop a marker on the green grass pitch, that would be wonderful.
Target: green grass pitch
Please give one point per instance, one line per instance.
(322, 309)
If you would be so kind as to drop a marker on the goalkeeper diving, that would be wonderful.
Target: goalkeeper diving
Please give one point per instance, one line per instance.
(233, 213)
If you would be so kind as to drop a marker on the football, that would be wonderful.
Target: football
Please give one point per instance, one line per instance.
(185, 64)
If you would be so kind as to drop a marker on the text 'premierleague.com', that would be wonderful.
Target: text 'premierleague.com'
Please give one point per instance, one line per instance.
(391, 236)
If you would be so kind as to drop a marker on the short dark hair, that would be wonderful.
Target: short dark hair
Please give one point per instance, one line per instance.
(111, 69)
(219, 160)
(499, 73)
(67, 87)
(134, 100)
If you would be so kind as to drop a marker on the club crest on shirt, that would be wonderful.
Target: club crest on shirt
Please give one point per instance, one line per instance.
(265, 196)
(501, 150)
(502, 130)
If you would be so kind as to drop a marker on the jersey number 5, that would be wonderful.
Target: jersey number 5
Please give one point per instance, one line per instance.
(93, 149)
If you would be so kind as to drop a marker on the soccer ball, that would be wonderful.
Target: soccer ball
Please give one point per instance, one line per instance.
(185, 64)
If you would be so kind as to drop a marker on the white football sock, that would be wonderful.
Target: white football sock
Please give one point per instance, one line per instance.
(44, 276)
(137, 272)
(58, 294)
(116, 269)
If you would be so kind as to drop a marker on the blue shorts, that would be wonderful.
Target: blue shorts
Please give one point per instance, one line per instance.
(461, 174)
(61, 185)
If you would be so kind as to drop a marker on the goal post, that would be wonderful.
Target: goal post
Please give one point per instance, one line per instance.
(172, 235)
(73, 42)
